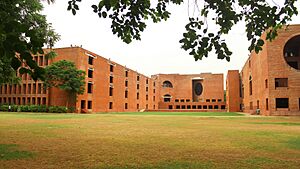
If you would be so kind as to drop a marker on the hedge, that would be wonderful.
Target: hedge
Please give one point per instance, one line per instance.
(35, 108)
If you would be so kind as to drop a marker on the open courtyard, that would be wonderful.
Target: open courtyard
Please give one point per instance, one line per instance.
(148, 140)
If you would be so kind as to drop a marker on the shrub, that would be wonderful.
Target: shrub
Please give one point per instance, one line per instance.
(58, 109)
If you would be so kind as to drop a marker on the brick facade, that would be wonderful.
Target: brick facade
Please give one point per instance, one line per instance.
(268, 82)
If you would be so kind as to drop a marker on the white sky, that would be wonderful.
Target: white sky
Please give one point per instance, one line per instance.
(159, 50)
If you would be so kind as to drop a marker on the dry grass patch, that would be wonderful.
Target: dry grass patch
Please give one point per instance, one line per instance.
(126, 141)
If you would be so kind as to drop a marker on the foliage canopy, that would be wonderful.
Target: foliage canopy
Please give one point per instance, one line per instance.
(128, 20)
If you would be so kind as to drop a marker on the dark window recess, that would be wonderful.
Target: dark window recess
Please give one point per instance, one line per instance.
(223, 106)
(153, 90)
(90, 88)
(282, 102)
(154, 98)
(213, 100)
(250, 87)
(89, 104)
(281, 82)
(126, 83)
(182, 100)
(219, 100)
(210, 107)
(126, 94)
(110, 105)
(257, 104)
(126, 73)
(111, 68)
(147, 81)
(207, 100)
(177, 107)
(199, 107)
(204, 107)
(111, 79)
(176, 100)
(146, 97)
(194, 107)
(267, 104)
(188, 106)
(138, 106)
(146, 106)
(111, 91)
(293, 64)
(153, 84)
(137, 86)
(187, 100)
(198, 89)
(137, 78)
(91, 60)
(147, 89)
(183, 107)
(170, 107)
(167, 98)
(266, 83)
(137, 96)
(126, 105)
(90, 73)
(82, 105)
(216, 107)
(251, 106)
(167, 84)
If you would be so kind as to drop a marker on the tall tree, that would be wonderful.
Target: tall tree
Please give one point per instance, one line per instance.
(129, 20)
(64, 75)
(23, 33)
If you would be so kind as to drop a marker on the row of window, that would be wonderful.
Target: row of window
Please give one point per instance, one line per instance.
(23, 100)
(279, 103)
(110, 105)
(35, 88)
(197, 107)
(279, 82)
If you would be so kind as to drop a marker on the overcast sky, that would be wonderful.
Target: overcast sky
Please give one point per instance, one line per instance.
(159, 50)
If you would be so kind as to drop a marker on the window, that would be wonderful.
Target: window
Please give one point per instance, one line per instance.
(137, 86)
(126, 73)
(9, 89)
(90, 87)
(111, 91)
(126, 94)
(291, 52)
(33, 100)
(126, 83)
(281, 82)
(28, 100)
(126, 105)
(137, 78)
(34, 88)
(91, 60)
(90, 73)
(39, 88)
(183, 107)
(216, 107)
(19, 89)
(154, 98)
(213, 100)
(198, 89)
(223, 107)
(41, 61)
(251, 106)
(24, 88)
(250, 85)
(181, 100)
(146, 97)
(205, 107)
(38, 101)
(187, 100)
(153, 84)
(82, 104)
(137, 96)
(249, 63)
(167, 98)
(167, 84)
(110, 105)
(194, 107)
(199, 107)
(282, 102)
(111, 79)
(137, 106)
(207, 100)
(111, 68)
(210, 107)
(153, 90)
(23, 100)
(147, 81)
(257, 104)
(176, 100)
(15, 89)
(177, 107)
(219, 100)
(266, 83)
(170, 107)
(29, 88)
(267, 104)
(89, 104)
(147, 89)
(188, 106)
(44, 101)
(46, 61)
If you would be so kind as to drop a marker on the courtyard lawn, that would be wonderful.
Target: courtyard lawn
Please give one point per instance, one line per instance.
(116, 141)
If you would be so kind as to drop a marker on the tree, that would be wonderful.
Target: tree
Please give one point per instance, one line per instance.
(64, 75)
(23, 33)
(129, 20)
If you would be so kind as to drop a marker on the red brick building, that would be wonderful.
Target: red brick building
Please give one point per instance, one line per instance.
(270, 80)
(110, 87)
(192, 92)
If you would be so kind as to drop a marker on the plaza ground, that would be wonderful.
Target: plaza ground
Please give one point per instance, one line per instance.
(148, 140)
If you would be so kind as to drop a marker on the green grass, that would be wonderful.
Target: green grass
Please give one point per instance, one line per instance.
(148, 140)
(181, 113)
(11, 152)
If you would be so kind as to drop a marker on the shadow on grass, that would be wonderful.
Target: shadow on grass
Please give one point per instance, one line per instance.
(11, 152)
(278, 123)
(179, 113)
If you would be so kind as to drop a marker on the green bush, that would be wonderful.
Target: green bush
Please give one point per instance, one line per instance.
(4, 107)
(36, 108)
(57, 109)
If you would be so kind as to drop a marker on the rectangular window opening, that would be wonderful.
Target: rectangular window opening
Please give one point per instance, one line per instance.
(282, 102)
(90, 104)
(281, 82)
